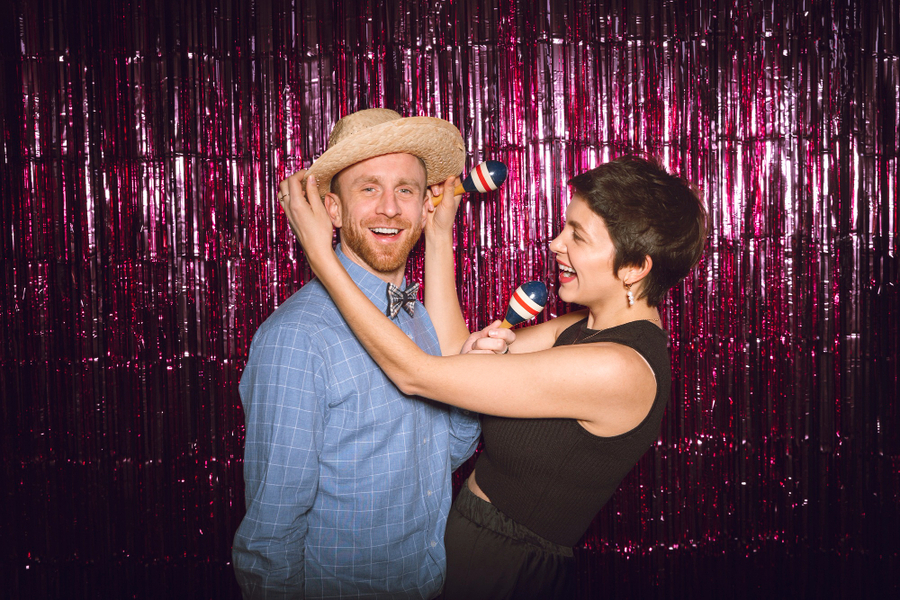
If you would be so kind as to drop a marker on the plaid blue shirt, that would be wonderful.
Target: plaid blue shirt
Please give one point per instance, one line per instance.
(347, 480)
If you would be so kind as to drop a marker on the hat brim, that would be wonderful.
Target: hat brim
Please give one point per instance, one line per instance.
(437, 142)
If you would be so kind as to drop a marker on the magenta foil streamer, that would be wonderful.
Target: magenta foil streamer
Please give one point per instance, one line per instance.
(141, 246)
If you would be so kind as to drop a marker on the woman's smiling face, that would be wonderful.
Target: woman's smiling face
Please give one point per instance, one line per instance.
(586, 255)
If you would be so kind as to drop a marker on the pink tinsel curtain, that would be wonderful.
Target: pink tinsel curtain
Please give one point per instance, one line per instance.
(141, 246)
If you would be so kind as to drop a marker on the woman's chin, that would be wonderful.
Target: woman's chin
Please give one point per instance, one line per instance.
(565, 294)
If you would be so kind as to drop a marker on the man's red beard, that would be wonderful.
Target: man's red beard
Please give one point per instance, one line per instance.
(383, 259)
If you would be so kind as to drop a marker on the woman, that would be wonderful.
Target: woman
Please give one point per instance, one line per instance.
(571, 404)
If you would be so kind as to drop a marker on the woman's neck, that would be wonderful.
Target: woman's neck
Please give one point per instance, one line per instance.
(604, 319)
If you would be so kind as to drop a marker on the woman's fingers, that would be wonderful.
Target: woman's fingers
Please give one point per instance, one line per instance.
(304, 208)
(442, 216)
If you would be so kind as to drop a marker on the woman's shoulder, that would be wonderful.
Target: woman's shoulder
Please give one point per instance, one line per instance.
(566, 321)
(544, 335)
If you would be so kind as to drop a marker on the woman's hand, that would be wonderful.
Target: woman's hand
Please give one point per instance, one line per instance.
(440, 218)
(493, 339)
(308, 217)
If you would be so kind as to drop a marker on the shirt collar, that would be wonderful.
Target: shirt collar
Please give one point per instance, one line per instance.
(371, 285)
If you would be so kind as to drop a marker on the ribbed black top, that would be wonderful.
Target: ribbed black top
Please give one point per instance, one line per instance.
(552, 475)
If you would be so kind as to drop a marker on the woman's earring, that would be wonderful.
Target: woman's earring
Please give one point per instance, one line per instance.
(629, 294)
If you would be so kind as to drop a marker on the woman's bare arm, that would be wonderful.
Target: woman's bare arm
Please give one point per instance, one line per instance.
(441, 297)
(607, 386)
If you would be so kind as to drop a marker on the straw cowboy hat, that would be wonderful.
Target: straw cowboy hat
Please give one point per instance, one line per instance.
(377, 131)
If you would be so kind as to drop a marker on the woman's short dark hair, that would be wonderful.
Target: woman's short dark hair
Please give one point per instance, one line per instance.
(647, 213)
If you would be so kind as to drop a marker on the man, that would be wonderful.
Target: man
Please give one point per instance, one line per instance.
(347, 480)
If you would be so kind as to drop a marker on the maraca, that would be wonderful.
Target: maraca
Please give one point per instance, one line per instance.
(486, 177)
(527, 301)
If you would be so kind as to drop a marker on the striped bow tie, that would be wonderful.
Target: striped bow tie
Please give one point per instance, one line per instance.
(398, 299)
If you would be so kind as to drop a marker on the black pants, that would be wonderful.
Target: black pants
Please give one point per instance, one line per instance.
(491, 556)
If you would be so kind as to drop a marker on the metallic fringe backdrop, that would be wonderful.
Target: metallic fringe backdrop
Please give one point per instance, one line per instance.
(141, 246)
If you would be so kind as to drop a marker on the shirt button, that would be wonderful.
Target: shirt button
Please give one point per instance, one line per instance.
(429, 492)
(425, 441)
(433, 543)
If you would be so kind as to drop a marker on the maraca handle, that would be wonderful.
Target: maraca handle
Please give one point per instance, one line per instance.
(459, 190)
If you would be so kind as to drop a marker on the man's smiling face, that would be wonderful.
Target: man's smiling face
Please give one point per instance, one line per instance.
(379, 206)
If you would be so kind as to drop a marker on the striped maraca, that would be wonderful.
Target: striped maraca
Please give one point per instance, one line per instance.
(527, 301)
(486, 177)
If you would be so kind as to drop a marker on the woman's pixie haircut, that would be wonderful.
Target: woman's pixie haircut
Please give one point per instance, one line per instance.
(647, 213)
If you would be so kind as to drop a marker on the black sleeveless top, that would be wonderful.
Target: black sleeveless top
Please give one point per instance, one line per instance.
(552, 475)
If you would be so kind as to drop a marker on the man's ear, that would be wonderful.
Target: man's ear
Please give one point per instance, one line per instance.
(333, 206)
(425, 206)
